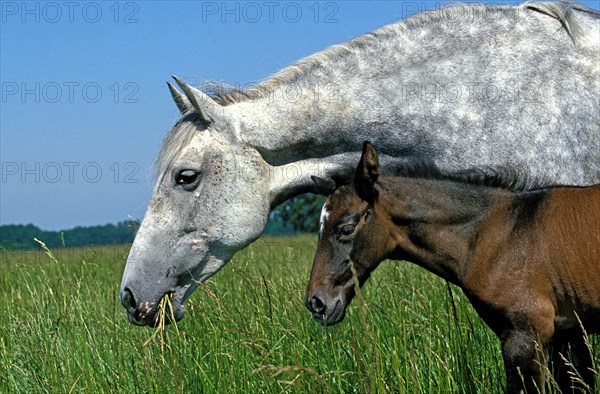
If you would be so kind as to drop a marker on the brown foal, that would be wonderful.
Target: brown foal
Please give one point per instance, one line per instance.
(529, 262)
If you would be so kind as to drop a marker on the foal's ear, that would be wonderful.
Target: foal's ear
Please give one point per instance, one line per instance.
(323, 186)
(367, 173)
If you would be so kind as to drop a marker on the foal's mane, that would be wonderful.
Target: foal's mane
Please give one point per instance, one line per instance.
(498, 177)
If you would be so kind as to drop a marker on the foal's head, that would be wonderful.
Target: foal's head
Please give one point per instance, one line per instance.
(352, 240)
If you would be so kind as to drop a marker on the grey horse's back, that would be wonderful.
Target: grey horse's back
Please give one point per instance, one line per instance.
(529, 85)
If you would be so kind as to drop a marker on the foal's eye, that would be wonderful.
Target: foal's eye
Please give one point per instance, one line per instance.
(347, 229)
(188, 179)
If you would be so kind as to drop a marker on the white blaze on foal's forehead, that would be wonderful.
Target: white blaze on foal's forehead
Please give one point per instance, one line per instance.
(324, 215)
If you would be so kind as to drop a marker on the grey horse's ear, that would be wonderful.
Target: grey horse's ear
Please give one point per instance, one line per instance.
(323, 186)
(181, 101)
(204, 106)
(367, 173)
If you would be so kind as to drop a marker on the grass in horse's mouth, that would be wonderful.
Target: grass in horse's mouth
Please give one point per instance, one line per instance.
(164, 313)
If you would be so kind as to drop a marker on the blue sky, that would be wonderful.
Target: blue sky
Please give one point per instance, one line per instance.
(84, 103)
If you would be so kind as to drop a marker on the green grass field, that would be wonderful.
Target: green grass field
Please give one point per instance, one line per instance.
(62, 330)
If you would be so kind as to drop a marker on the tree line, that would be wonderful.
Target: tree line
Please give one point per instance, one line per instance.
(18, 236)
(298, 215)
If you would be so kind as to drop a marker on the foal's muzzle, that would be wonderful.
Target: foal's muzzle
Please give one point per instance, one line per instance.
(326, 310)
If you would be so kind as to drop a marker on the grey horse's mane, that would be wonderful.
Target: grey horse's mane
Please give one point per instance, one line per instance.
(563, 12)
(174, 141)
(226, 95)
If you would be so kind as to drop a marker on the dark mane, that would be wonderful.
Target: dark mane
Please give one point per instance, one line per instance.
(500, 177)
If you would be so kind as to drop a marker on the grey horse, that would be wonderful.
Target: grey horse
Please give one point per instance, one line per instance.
(509, 90)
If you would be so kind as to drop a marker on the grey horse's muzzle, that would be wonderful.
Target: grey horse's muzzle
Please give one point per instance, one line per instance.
(145, 311)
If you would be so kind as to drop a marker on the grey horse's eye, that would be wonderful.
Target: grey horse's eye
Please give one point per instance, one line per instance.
(188, 179)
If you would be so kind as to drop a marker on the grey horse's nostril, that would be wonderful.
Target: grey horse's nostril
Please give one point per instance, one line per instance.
(127, 298)
(317, 305)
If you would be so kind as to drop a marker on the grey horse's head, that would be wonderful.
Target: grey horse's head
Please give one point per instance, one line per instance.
(211, 199)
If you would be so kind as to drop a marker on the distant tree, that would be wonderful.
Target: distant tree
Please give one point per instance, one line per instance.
(298, 215)
(302, 212)
(17, 236)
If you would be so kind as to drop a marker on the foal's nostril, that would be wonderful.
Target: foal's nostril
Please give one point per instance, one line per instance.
(317, 305)
(127, 298)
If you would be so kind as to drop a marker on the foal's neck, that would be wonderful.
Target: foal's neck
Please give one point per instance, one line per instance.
(436, 221)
